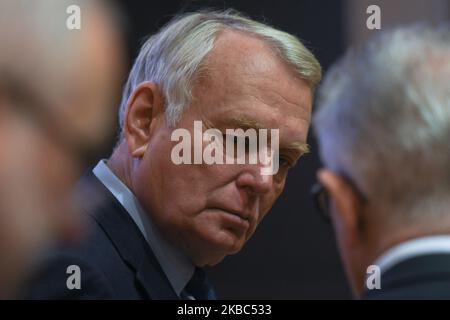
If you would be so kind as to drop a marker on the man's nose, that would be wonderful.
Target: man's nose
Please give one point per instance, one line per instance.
(252, 179)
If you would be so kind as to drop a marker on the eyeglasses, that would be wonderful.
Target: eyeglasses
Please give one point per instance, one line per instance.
(321, 200)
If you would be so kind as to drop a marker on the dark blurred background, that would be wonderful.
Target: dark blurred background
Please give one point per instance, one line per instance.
(293, 254)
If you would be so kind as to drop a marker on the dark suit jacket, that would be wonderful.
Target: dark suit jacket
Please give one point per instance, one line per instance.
(421, 277)
(115, 260)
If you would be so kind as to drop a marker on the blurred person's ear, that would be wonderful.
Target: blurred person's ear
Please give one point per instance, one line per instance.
(145, 105)
(345, 207)
(346, 211)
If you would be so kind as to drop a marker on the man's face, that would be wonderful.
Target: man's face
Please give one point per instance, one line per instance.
(210, 211)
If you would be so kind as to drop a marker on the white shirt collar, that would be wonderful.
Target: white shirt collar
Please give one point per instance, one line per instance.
(412, 248)
(177, 267)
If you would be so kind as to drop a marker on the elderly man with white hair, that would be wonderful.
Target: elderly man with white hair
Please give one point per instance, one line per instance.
(383, 125)
(161, 222)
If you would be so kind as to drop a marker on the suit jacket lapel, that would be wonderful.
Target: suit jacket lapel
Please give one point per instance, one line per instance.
(127, 238)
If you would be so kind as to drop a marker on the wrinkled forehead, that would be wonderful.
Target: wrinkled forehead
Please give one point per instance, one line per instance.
(243, 72)
(239, 56)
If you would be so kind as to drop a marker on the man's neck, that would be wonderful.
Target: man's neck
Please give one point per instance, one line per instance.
(120, 164)
(392, 238)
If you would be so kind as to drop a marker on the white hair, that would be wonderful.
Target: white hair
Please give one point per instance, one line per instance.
(384, 119)
(173, 57)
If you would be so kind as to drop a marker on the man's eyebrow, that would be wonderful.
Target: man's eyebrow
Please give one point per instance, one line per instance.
(301, 147)
(243, 123)
(248, 123)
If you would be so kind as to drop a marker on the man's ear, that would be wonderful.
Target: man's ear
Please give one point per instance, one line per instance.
(345, 207)
(144, 106)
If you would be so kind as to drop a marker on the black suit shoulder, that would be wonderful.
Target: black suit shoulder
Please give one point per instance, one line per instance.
(114, 259)
(51, 280)
(103, 274)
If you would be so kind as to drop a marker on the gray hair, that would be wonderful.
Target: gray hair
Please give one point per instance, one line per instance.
(173, 57)
(384, 120)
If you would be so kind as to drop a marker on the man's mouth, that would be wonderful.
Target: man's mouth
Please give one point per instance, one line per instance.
(241, 214)
(237, 217)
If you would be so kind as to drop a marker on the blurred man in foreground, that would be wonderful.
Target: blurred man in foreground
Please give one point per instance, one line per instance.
(383, 126)
(56, 99)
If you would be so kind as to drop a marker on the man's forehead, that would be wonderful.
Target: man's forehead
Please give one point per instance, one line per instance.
(238, 55)
(237, 45)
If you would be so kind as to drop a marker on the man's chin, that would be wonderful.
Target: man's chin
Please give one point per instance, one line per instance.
(214, 254)
(207, 260)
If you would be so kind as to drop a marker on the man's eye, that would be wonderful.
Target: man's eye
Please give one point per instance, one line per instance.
(285, 162)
